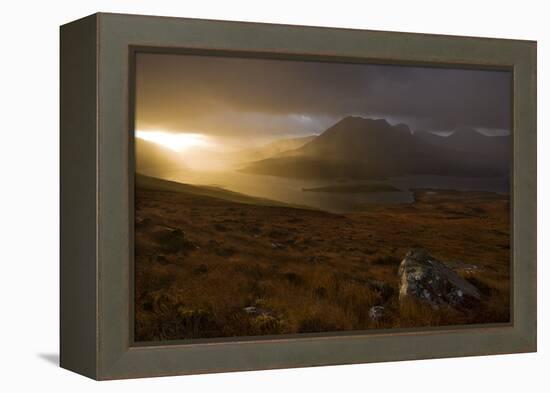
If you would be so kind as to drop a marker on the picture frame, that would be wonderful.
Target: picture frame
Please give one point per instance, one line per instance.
(96, 196)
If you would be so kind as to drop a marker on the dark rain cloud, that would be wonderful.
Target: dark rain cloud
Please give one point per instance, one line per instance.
(238, 96)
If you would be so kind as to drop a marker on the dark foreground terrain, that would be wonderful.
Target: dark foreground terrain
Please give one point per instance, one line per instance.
(209, 263)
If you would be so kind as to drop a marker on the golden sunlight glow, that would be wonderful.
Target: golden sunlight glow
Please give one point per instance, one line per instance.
(174, 141)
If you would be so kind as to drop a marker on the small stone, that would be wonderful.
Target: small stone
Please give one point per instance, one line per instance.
(376, 313)
(143, 222)
(256, 311)
(251, 310)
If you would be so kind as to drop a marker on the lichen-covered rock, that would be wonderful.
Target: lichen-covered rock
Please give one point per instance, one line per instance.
(424, 278)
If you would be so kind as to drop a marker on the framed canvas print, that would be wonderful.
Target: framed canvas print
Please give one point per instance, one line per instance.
(240, 196)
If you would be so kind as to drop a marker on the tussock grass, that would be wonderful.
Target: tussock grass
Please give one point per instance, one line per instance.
(307, 271)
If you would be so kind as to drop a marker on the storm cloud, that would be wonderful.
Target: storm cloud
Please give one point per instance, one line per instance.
(241, 96)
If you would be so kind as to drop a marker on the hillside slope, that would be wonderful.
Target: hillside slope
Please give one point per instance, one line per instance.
(152, 183)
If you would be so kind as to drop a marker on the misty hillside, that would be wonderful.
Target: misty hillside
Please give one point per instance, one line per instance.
(362, 148)
(274, 148)
(155, 160)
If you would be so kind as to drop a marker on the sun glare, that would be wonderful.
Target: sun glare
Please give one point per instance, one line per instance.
(174, 141)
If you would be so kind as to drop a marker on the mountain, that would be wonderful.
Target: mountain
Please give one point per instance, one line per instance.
(468, 140)
(360, 148)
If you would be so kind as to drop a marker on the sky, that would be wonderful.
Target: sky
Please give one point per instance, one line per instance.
(236, 99)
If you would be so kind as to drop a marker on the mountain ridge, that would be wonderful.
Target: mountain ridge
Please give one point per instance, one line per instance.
(361, 148)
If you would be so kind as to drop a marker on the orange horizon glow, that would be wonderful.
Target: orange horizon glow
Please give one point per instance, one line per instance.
(177, 142)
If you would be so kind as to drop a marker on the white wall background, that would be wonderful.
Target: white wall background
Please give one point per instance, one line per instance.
(29, 193)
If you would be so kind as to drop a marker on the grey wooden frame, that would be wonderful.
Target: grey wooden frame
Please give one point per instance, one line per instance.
(96, 197)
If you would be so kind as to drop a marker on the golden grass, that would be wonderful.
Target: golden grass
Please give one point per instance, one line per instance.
(308, 271)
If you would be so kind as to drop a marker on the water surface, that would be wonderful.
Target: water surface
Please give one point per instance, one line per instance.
(290, 190)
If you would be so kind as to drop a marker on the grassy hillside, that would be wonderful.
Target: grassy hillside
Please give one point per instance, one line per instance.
(153, 183)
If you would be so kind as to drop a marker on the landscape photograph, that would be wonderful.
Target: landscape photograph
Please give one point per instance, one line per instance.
(283, 197)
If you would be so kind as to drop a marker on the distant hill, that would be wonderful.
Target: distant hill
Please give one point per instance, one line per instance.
(360, 148)
(468, 140)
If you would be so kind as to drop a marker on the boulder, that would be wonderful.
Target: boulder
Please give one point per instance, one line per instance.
(424, 278)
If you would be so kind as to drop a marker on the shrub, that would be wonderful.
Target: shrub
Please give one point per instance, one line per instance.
(267, 324)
